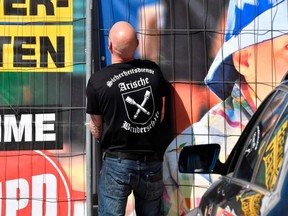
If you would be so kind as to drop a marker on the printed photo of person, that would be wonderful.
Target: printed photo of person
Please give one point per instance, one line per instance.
(251, 62)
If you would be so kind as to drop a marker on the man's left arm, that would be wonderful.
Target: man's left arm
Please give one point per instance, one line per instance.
(96, 126)
(163, 109)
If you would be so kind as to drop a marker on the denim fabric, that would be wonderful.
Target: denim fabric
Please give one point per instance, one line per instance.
(117, 180)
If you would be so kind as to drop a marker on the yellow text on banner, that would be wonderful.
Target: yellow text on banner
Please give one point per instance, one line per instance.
(36, 11)
(36, 48)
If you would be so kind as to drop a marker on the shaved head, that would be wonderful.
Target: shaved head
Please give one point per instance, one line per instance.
(122, 41)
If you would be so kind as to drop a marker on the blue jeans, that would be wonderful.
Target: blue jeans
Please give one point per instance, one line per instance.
(117, 180)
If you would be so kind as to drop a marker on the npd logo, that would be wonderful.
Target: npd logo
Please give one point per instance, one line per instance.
(32, 183)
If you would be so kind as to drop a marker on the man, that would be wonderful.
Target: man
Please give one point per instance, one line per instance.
(251, 62)
(141, 15)
(126, 104)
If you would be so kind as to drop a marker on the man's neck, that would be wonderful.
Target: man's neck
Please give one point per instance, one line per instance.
(121, 60)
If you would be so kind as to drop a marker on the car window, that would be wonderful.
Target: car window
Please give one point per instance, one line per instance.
(260, 135)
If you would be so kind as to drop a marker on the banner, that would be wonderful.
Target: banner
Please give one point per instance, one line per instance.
(221, 60)
(31, 128)
(42, 108)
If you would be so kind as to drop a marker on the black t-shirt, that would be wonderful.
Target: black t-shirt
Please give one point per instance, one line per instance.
(129, 97)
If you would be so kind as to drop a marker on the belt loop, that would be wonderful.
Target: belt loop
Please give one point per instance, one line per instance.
(119, 157)
(104, 156)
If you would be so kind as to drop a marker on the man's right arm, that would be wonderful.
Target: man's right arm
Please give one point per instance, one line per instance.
(95, 126)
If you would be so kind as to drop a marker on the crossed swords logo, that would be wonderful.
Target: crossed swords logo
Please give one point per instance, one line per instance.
(140, 107)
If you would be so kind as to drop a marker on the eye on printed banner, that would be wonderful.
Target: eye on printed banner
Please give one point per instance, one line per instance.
(35, 48)
(36, 11)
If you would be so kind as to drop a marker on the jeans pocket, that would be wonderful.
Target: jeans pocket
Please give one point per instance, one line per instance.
(154, 185)
(113, 190)
(116, 181)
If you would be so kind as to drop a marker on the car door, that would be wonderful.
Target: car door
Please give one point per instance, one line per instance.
(248, 189)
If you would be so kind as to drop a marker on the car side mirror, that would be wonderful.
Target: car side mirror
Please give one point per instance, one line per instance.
(200, 159)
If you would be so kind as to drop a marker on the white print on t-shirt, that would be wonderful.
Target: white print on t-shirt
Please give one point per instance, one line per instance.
(135, 129)
(146, 97)
(139, 105)
(124, 86)
(117, 77)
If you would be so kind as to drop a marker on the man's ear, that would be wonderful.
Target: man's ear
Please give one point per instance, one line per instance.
(241, 60)
(110, 46)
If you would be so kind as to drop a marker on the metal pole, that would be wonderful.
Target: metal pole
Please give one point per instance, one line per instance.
(89, 200)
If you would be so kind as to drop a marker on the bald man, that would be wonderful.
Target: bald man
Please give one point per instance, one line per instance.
(126, 103)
